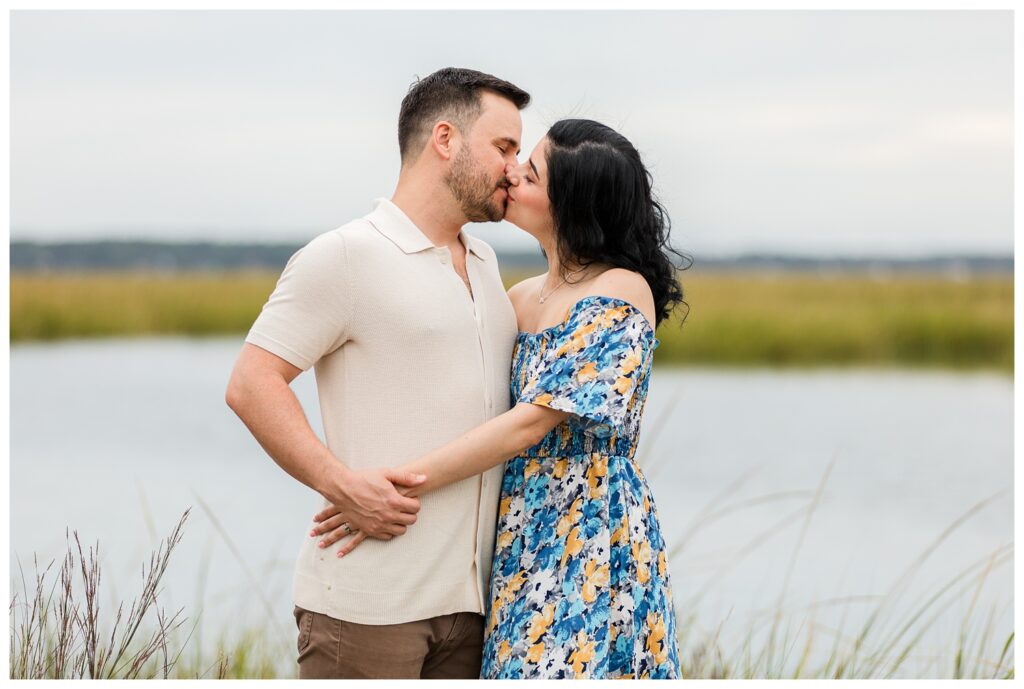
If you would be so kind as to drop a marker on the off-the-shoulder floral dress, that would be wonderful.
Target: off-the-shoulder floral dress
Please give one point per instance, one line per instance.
(580, 584)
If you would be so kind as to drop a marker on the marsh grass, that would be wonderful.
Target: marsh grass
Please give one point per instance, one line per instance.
(795, 319)
(735, 319)
(58, 630)
(64, 637)
(54, 306)
(886, 641)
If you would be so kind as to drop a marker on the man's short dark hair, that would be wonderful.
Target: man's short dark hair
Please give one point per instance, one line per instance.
(452, 94)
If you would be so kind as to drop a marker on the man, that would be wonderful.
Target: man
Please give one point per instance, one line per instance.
(405, 319)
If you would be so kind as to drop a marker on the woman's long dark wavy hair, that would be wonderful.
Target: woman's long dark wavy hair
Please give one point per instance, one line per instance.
(605, 211)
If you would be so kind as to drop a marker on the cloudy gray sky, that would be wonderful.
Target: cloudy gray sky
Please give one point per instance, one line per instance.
(812, 132)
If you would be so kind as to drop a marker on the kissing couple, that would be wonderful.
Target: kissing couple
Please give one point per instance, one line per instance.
(478, 474)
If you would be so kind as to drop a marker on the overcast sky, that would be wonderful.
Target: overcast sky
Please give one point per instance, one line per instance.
(815, 132)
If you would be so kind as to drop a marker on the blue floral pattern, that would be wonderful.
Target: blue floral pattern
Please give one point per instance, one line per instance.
(580, 584)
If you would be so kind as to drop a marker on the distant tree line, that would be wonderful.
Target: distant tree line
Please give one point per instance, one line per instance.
(171, 256)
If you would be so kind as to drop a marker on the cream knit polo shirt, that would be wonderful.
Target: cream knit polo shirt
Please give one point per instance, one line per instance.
(405, 361)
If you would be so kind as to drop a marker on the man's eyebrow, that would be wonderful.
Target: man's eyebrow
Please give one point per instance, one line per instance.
(511, 142)
(534, 168)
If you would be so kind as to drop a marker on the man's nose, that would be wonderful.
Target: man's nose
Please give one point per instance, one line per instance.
(512, 174)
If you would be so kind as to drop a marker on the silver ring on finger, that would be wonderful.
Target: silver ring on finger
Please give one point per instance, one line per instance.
(348, 529)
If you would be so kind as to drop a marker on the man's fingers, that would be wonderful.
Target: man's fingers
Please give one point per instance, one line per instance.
(405, 518)
(352, 543)
(403, 504)
(404, 478)
(396, 529)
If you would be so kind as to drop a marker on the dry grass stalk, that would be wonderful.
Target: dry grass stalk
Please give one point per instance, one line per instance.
(74, 645)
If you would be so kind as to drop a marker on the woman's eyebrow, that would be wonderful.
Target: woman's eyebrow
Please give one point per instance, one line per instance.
(534, 167)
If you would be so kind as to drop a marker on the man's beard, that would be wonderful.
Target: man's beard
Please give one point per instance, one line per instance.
(473, 190)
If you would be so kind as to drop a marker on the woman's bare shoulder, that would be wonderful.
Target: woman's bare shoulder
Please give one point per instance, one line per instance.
(627, 285)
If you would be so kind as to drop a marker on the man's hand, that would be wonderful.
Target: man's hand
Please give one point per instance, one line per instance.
(372, 503)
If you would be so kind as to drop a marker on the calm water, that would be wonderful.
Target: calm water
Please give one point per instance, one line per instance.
(117, 438)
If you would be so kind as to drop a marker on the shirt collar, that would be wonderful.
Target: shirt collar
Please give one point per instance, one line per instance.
(394, 224)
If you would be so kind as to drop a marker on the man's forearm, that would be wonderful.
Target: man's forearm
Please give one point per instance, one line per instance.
(259, 393)
(272, 413)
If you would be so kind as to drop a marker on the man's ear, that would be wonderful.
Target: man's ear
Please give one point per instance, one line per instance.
(443, 139)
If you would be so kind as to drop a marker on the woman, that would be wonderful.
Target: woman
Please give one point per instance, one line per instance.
(579, 584)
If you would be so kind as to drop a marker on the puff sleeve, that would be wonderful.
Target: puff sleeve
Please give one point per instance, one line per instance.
(591, 365)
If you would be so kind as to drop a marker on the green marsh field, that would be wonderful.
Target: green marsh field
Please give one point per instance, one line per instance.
(734, 319)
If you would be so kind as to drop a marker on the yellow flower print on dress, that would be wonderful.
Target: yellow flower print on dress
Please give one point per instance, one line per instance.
(573, 545)
(596, 577)
(656, 636)
(630, 362)
(642, 556)
(533, 468)
(623, 384)
(584, 653)
(587, 373)
(598, 470)
(540, 623)
(609, 317)
(504, 651)
(571, 517)
(543, 400)
(561, 465)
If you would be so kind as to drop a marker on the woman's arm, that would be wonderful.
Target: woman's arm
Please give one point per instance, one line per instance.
(483, 447)
(474, 452)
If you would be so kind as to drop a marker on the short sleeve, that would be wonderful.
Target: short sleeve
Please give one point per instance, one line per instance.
(591, 366)
(308, 314)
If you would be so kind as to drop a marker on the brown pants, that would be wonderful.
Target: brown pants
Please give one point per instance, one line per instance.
(444, 647)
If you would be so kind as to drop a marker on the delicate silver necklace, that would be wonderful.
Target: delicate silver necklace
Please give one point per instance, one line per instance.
(543, 298)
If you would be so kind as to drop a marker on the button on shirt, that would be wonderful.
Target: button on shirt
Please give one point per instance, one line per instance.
(405, 361)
